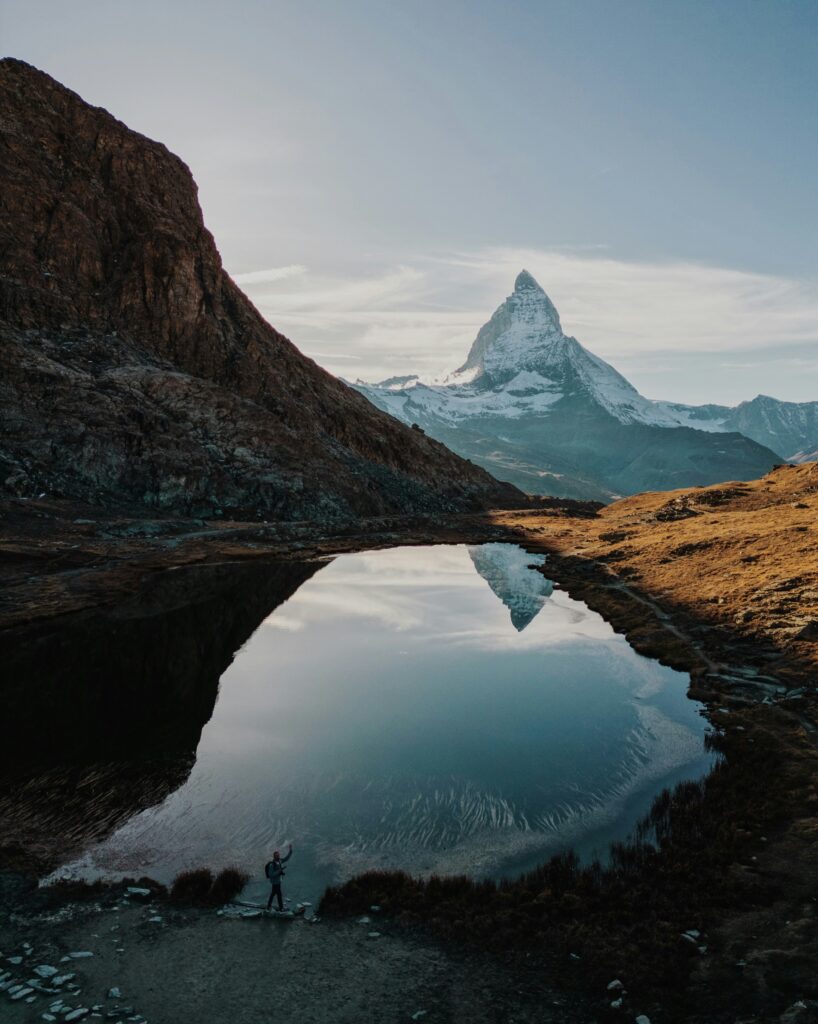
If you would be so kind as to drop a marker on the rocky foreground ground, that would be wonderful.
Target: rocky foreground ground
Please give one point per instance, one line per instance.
(140, 960)
(721, 582)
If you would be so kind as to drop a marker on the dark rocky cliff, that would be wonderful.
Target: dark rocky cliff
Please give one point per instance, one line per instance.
(134, 371)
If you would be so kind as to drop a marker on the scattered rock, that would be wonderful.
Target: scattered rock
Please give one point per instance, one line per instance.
(136, 891)
(114, 993)
(615, 985)
(45, 971)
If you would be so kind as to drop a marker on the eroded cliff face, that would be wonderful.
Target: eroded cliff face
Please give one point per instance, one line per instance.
(133, 370)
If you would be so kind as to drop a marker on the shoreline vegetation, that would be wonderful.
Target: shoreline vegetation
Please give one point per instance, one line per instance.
(718, 918)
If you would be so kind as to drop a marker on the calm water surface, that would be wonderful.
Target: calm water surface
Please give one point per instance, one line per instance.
(431, 708)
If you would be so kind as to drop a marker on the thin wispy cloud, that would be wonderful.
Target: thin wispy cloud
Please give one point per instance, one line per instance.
(268, 276)
(422, 315)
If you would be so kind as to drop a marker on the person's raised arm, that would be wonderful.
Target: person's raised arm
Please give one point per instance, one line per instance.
(289, 854)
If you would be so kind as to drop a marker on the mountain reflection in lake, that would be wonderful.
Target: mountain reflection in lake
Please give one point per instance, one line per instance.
(394, 713)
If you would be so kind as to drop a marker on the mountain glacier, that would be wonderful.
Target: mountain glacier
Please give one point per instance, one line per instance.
(535, 407)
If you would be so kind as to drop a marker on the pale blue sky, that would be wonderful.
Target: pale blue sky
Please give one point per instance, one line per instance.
(653, 163)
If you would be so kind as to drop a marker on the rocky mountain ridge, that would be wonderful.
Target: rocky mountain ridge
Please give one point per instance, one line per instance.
(134, 371)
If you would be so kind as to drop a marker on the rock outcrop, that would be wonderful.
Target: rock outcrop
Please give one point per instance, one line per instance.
(133, 371)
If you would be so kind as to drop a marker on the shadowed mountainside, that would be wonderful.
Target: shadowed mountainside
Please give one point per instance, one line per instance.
(133, 370)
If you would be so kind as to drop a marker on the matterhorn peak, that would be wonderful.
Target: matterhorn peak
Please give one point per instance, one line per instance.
(521, 329)
(529, 291)
(526, 281)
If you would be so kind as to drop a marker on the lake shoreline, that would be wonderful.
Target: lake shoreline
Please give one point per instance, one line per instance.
(754, 894)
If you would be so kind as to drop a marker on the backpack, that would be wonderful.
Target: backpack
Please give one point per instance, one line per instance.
(268, 870)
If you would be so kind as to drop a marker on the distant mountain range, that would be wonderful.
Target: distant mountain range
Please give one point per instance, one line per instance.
(538, 409)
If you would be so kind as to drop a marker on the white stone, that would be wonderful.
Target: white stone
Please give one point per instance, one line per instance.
(374, 935)
(14, 959)
(419, 1014)
(642, 1019)
(114, 993)
(45, 971)
(363, 920)
(615, 985)
(82, 955)
(78, 1014)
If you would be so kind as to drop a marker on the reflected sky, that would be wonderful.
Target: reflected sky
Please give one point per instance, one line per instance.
(431, 708)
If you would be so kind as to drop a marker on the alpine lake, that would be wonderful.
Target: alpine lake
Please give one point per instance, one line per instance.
(438, 709)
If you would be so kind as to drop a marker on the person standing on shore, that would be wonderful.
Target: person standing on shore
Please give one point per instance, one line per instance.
(274, 870)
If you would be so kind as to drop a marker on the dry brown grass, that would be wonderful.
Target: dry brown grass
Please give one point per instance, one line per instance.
(745, 560)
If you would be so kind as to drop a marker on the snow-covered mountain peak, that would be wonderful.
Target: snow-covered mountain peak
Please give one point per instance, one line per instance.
(522, 364)
(527, 282)
(518, 334)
